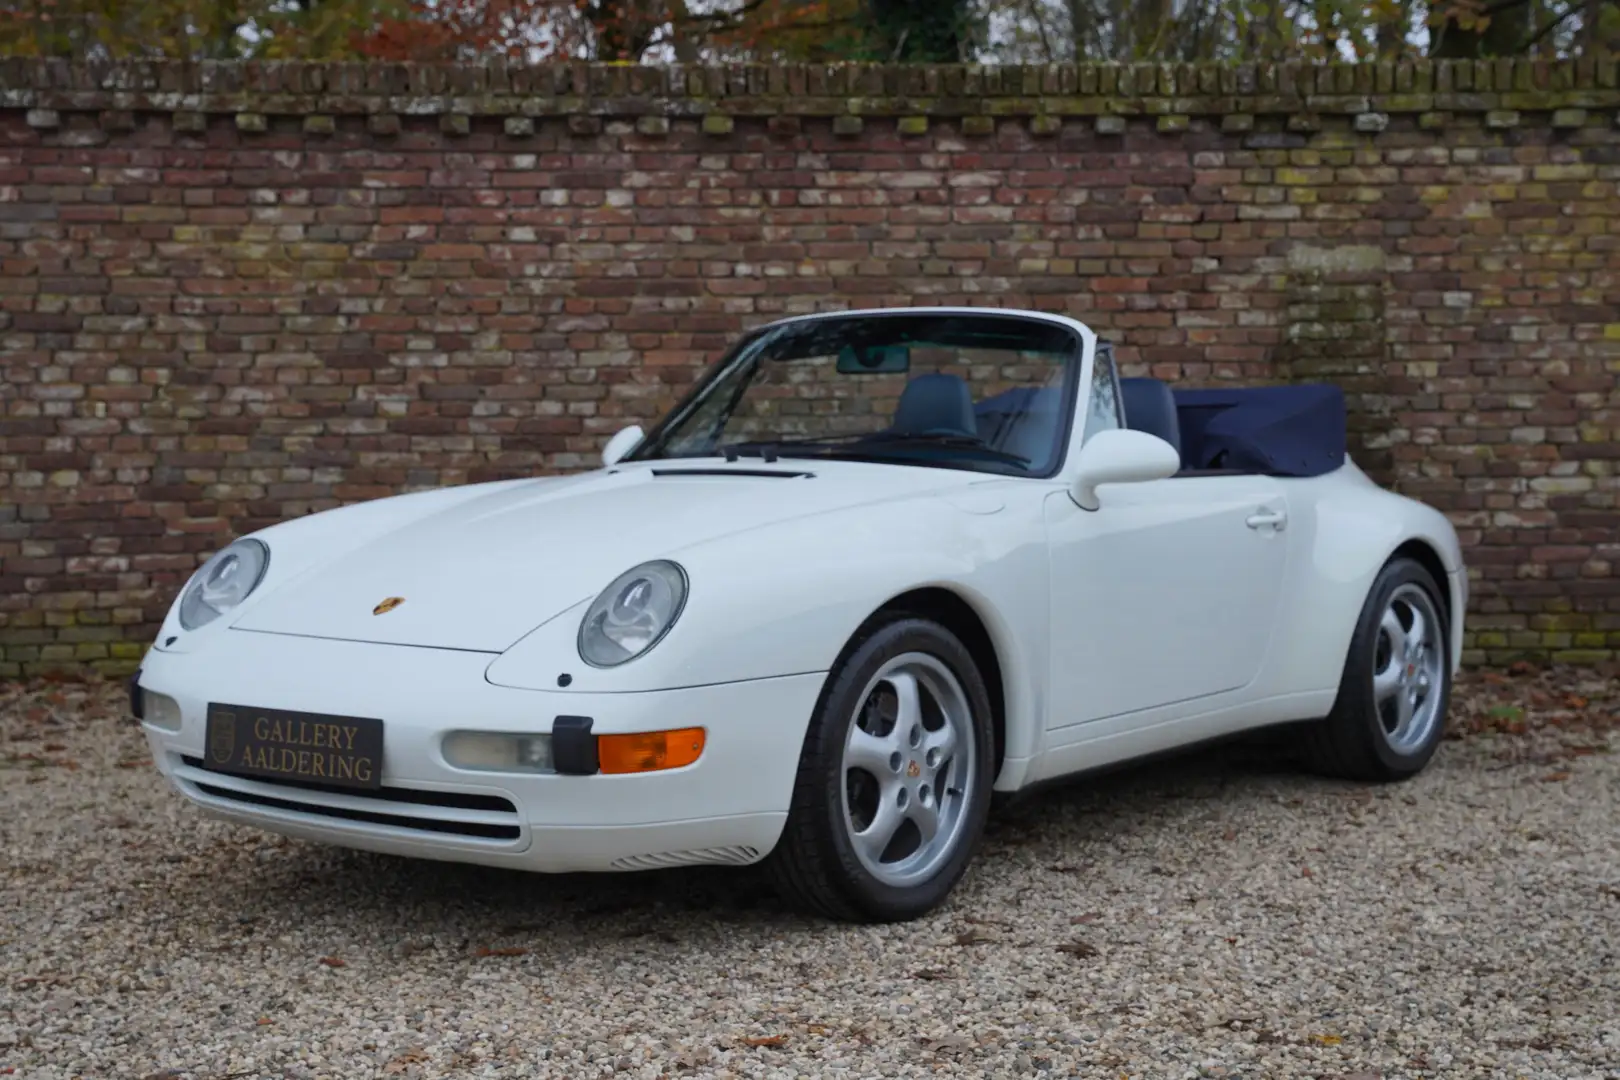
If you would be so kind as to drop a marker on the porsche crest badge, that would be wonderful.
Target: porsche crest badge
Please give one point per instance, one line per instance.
(388, 605)
(222, 738)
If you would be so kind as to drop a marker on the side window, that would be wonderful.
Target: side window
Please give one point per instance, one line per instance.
(1102, 410)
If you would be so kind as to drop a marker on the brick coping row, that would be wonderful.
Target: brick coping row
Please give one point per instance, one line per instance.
(1052, 92)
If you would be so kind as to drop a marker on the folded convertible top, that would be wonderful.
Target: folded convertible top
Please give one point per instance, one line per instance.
(1281, 430)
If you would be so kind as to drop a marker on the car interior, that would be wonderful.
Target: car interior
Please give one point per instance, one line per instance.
(1149, 405)
(1270, 430)
(1297, 430)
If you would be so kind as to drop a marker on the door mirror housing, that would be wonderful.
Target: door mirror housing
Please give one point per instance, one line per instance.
(621, 444)
(1121, 456)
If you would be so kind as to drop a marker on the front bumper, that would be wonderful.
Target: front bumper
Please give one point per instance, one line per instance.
(727, 807)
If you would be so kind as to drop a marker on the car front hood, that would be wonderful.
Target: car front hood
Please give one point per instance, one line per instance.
(480, 574)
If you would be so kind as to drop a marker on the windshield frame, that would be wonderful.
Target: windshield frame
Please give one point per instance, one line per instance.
(746, 352)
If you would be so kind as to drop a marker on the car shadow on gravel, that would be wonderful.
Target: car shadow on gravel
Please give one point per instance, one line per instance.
(441, 901)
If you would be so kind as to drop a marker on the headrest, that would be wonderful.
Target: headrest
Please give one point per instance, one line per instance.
(935, 403)
(1151, 407)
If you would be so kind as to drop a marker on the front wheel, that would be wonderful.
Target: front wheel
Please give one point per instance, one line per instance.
(1390, 714)
(893, 787)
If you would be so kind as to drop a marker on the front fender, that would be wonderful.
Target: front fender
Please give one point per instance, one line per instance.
(302, 544)
(786, 599)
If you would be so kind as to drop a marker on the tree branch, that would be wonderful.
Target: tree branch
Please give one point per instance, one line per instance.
(1040, 29)
(1554, 24)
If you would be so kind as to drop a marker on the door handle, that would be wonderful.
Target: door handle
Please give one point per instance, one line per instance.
(1260, 519)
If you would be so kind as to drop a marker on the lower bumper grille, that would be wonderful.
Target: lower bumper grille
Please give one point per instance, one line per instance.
(452, 813)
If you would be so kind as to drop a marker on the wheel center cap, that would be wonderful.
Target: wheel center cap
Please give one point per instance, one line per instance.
(914, 770)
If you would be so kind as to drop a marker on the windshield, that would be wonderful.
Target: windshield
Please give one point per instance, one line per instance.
(970, 391)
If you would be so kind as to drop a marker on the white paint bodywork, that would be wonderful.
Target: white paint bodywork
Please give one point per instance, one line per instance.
(1179, 609)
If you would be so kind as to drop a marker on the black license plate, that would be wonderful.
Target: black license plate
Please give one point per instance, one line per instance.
(311, 748)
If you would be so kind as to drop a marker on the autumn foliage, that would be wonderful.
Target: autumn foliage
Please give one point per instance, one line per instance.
(827, 31)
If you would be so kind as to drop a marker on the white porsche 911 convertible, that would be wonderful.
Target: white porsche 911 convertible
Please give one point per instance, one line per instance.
(875, 568)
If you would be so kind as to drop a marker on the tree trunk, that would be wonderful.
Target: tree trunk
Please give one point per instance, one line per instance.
(1082, 24)
(1591, 27)
(920, 31)
(1505, 35)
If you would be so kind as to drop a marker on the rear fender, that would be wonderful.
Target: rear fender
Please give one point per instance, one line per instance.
(1347, 534)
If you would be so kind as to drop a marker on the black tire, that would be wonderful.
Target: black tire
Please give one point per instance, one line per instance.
(1353, 741)
(814, 866)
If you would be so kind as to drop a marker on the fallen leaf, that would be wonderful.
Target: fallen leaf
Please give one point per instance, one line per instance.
(1574, 701)
(931, 974)
(1521, 667)
(1229, 835)
(1004, 924)
(263, 1020)
(947, 1042)
(767, 1040)
(973, 937)
(404, 1061)
(332, 961)
(1555, 777)
(1305, 871)
(1088, 917)
(510, 951)
(1079, 949)
(1328, 1040)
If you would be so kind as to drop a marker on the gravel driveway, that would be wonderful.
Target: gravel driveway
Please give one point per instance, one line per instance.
(1219, 916)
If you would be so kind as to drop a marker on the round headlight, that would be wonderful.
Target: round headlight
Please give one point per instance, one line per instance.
(632, 614)
(223, 582)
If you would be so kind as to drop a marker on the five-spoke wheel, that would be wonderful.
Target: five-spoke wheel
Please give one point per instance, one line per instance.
(1407, 668)
(1390, 714)
(894, 781)
(908, 759)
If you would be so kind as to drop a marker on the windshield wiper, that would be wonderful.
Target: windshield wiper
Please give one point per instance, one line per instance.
(768, 449)
(952, 442)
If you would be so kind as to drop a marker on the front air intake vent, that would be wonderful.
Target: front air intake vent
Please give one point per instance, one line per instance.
(473, 817)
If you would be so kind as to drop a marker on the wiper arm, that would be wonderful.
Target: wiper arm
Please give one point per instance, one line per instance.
(767, 449)
(954, 442)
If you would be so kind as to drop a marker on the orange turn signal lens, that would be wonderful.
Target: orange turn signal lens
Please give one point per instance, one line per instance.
(649, 751)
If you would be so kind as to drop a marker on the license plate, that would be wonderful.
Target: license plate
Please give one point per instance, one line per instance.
(314, 748)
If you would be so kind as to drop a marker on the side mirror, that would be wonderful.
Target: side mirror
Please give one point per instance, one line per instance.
(1121, 456)
(621, 444)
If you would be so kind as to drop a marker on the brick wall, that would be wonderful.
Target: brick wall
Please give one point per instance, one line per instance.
(230, 294)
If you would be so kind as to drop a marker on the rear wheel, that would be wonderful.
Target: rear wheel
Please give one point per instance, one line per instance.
(1390, 714)
(894, 779)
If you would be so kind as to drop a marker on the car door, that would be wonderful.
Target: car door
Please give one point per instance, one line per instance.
(1165, 595)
